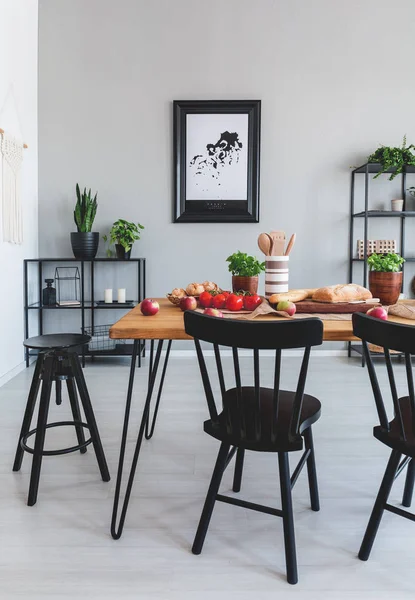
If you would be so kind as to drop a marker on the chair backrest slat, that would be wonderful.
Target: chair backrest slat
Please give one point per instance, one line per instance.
(411, 390)
(394, 392)
(257, 408)
(252, 412)
(206, 382)
(299, 394)
(380, 406)
(276, 394)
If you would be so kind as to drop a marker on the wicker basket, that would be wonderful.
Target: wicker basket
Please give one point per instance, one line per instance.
(173, 299)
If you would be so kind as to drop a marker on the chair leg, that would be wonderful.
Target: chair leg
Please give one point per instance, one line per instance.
(409, 484)
(311, 470)
(379, 506)
(89, 416)
(41, 430)
(76, 413)
(30, 407)
(210, 498)
(288, 519)
(239, 465)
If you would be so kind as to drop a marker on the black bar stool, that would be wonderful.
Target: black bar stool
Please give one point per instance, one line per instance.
(57, 361)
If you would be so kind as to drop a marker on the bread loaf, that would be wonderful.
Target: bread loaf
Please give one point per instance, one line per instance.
(291, 296)
(341, 293)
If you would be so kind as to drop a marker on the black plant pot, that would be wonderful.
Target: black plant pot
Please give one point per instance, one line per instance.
(121, 253)
(85, 245)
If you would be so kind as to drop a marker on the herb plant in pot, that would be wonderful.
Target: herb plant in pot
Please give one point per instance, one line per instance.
(123, 234)
(245, 270)
(385, 276)
(84, 241)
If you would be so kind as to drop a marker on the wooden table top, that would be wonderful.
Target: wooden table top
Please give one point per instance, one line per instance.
(168, 324)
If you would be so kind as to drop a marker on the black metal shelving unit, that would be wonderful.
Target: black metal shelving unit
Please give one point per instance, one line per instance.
(368, 170)
(85, 305)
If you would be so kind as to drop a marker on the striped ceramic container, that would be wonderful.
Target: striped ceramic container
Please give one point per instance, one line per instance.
(276, 275)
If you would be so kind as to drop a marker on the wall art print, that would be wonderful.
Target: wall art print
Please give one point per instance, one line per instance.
(216, 150)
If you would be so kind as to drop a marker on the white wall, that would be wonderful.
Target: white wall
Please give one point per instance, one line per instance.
(18, 115)
(335, 79)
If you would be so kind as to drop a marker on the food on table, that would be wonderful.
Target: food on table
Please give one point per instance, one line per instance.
(234, 302)
(292, 295)
(251, 301)
(149, 307)
(378, 312)
(213, 312)
(205, 299)
(188, 303)
(287, 307)
(219, 301)
(176, 295)
(341, 293)
(210, 286)
(195, 289)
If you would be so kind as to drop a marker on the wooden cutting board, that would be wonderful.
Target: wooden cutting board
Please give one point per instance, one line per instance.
(308, 306)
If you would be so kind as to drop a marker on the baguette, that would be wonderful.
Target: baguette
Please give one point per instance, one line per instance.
(341, 293)
(291, 296)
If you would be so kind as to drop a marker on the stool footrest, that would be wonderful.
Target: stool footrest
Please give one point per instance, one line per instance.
(27, 448)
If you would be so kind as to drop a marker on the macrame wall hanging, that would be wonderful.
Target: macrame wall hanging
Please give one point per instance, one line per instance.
(11, 151)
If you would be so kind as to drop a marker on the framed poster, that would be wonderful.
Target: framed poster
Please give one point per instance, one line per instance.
(216, 160)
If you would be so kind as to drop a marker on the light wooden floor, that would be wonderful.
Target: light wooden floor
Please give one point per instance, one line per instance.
(61, 548)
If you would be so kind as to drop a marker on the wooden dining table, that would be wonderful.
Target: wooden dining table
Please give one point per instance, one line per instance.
(165, 327)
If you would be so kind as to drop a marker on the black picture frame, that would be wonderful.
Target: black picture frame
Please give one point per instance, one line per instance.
(216, 210)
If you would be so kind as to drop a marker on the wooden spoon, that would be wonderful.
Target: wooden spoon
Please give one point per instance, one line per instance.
(264, 243)
(290, 244)
(278, 238)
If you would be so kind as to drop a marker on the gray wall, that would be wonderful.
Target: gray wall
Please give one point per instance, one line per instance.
(335, 80)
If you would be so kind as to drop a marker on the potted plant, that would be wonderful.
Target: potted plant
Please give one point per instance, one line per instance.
(245, 270)
(84, 241)
(385, 276)
(393, 158)
(123, 234)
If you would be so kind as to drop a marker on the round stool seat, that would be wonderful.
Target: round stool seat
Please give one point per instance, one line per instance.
(57, 341)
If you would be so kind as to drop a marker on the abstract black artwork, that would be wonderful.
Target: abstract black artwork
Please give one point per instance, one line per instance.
(216, 160)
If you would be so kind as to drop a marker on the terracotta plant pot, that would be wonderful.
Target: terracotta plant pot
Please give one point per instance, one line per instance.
(245, 284)
(385, 286)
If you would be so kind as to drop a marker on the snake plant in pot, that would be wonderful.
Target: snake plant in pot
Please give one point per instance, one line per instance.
(84, 241)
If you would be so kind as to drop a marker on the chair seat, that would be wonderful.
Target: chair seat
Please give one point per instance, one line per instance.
(392, 437)
(282, 442)
(57, 341)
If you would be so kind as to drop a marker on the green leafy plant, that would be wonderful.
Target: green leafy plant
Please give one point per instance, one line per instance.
(124, 233)
(385, 263)
(393, 158)
(243, 265)
(411, 190)
(85, 210)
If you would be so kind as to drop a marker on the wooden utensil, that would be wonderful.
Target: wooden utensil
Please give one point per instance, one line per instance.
(290, 244)
(264, 243)
(278, 243)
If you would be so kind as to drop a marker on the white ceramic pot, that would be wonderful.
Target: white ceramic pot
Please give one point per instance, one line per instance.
(276, 274)
(397, 205)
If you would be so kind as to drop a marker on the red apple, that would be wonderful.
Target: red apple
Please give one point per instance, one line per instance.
(378, 312)
(149, 307)
(188, 303)
(213, 312)
(287, 306)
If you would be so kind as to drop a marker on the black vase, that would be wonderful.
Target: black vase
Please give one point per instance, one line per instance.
(121, 253)
(84, 245)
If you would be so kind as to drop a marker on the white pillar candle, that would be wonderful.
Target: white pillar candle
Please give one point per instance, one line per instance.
(108, 296)
(121, 295)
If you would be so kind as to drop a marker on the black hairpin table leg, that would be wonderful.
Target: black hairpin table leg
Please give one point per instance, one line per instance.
(116, 532)
(150, 430)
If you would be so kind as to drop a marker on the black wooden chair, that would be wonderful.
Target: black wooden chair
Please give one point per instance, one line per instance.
(399, 433)
(262, 419)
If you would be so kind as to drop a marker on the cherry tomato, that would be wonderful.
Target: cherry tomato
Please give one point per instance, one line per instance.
(219, 301)
(252, 302)
(205, 300)
(234, 302)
